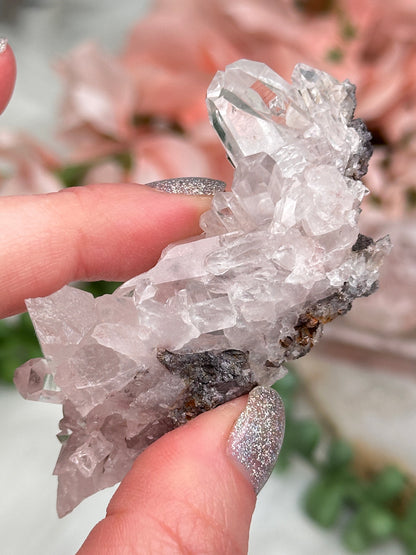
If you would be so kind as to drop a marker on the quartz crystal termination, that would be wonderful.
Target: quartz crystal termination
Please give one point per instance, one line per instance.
(280, 256)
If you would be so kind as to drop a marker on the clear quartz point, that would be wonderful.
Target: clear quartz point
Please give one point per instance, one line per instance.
(280, 256)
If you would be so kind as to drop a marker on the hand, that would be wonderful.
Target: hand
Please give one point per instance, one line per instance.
(194, 490)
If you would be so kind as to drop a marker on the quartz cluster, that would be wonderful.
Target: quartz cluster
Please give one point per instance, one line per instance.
(280, 256)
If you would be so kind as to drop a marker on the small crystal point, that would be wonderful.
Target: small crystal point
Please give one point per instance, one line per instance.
(281, 255)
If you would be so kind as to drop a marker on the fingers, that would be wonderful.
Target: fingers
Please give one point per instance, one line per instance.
(7, 73)
(95, 232)
(190, 492)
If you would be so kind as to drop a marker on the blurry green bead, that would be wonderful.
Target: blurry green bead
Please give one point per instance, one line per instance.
(355, 489)
(355, 538)
(407, 533)
(411, 546)
(324, 501)
(410, 516)
(378, 522)
(340, 454)
(387, 485)
(306, 436)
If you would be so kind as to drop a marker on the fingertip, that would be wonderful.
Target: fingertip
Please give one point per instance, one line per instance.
(7, 73)
(185, 492)
(108, 231)
(188, 458)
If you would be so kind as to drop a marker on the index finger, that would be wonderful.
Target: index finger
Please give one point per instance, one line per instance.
(7, 73)
(93, 232)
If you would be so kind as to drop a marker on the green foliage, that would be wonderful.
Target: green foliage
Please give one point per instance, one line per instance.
(387, 485)
(98, 288)
(18, 343)
(339, 455)
(324, 500)
(306, 437)
(73, 175)
(371, 524)
(339, 494)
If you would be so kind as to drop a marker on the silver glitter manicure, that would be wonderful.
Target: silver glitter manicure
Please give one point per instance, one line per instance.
(189, 185)
(257, 436)
(3, 44)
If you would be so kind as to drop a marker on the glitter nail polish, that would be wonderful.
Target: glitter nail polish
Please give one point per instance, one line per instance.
(3, 44)
(189, 185)
(257, 435)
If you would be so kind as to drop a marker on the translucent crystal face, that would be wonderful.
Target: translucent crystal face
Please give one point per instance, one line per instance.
(280, 256)
(254, 110)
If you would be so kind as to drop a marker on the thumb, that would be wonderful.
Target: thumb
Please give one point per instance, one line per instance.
(194, 490)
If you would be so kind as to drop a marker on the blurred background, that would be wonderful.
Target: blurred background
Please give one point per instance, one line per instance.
(115, 91)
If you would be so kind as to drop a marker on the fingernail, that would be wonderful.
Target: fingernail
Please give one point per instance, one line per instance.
(257, 435)
(3, 44)
(189, 185)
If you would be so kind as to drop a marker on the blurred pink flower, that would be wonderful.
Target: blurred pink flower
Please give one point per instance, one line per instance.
(98, 100)
(371, 43)
(151, 112)
(25, 166)
(392, 179)
(172, 56)
(154, 93)
(105, 171)
(163, 156)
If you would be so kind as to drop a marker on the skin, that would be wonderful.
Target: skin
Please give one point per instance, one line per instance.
(184, 494)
